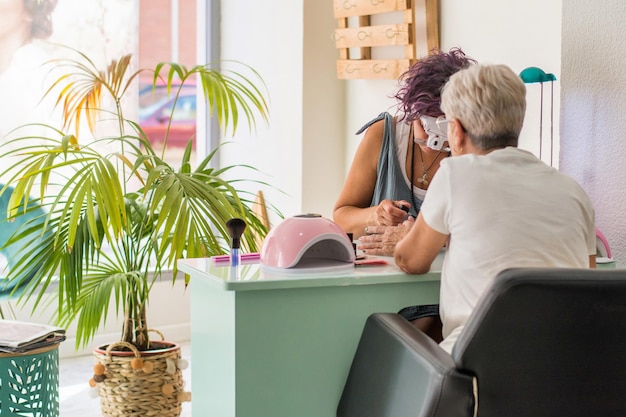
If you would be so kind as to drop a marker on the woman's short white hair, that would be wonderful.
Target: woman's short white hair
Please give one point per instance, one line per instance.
(489, 101)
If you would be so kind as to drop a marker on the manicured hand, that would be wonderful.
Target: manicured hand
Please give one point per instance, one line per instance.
(381, 240)
(391, 212)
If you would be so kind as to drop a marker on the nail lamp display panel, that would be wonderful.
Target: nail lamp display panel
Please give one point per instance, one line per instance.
(307, 243)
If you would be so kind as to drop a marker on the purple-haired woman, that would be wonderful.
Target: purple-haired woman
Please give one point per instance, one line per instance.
(394, 163)
(398, 156)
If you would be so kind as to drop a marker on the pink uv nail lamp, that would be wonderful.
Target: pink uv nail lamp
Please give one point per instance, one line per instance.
(307, 243)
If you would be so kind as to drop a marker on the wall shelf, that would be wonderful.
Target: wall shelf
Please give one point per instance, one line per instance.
(417, 32)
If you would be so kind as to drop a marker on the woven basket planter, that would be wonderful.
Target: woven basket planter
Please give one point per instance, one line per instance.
(133, 383)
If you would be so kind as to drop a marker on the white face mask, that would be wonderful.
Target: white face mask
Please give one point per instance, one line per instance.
(437, 131)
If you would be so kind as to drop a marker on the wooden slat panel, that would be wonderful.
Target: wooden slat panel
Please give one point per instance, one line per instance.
(418, 35)
(372, 69)
(432, 24)
(366, 53)
(426, 26)
(343, 52)
(382, 35)
(347, 8)
(410, 49)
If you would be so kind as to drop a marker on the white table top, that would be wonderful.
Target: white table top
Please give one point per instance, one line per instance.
(252, 276)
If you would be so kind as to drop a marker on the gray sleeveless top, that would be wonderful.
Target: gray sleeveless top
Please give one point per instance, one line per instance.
(390, 183)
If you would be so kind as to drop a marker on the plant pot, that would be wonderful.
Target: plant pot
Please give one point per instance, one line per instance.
(134, 383)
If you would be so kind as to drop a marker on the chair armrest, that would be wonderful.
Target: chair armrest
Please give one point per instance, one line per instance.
(398, 371)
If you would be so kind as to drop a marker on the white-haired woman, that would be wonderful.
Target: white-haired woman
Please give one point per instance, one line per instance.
(497, 206)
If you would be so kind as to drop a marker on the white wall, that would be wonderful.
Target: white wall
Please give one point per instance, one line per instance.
(268, 36)
(519, 34)
(323, 111)
(301, 152)
(593, 105)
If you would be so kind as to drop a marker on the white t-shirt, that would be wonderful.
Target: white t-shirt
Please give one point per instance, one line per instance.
(502, 210)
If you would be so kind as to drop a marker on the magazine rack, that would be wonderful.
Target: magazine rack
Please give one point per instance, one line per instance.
(30, 383)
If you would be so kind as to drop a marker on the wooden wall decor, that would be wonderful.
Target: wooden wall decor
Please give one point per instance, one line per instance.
(418, 32)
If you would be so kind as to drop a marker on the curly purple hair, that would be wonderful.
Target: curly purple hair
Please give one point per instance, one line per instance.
(40, 11)
(420, 94)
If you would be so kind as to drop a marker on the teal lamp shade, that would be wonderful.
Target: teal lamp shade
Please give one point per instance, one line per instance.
(536, 75)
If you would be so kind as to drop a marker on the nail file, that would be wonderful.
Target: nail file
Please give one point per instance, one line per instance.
(370, 262)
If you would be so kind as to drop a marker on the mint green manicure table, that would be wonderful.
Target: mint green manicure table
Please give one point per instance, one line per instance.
(281, 345)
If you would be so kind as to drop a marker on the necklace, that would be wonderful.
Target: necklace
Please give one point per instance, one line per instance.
(424, 178)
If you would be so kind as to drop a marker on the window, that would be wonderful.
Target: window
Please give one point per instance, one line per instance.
(167, 32)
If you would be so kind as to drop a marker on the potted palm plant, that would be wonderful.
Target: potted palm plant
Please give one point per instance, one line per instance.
(119, 215)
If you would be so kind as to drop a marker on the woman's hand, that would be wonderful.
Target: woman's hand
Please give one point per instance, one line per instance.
(390, 212)
(381, 240)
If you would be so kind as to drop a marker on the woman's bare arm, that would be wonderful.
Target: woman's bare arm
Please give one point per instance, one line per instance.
(352, 211)
(418, 249)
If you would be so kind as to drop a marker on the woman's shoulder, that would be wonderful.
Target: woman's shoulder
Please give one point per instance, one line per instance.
(397, 131)
(376, 129)
(373, 136)
(382, 118)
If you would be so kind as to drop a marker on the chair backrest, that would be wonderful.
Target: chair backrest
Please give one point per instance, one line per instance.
(549, 342)
(20, 241)
(398, 371)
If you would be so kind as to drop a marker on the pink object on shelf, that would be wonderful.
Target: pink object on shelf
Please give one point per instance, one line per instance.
(602, 244)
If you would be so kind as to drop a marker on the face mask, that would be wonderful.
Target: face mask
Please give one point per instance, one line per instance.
(437, 131)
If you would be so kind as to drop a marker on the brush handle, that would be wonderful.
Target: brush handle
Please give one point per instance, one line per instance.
(235, 257)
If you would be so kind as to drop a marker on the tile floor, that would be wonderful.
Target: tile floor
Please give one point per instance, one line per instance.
(75, 399)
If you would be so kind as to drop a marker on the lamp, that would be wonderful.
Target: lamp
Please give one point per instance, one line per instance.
(537, 75)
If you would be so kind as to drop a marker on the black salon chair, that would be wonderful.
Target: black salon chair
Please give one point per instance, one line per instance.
(542, 342)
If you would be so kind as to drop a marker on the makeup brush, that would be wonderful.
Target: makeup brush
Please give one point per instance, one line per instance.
(235, 228)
